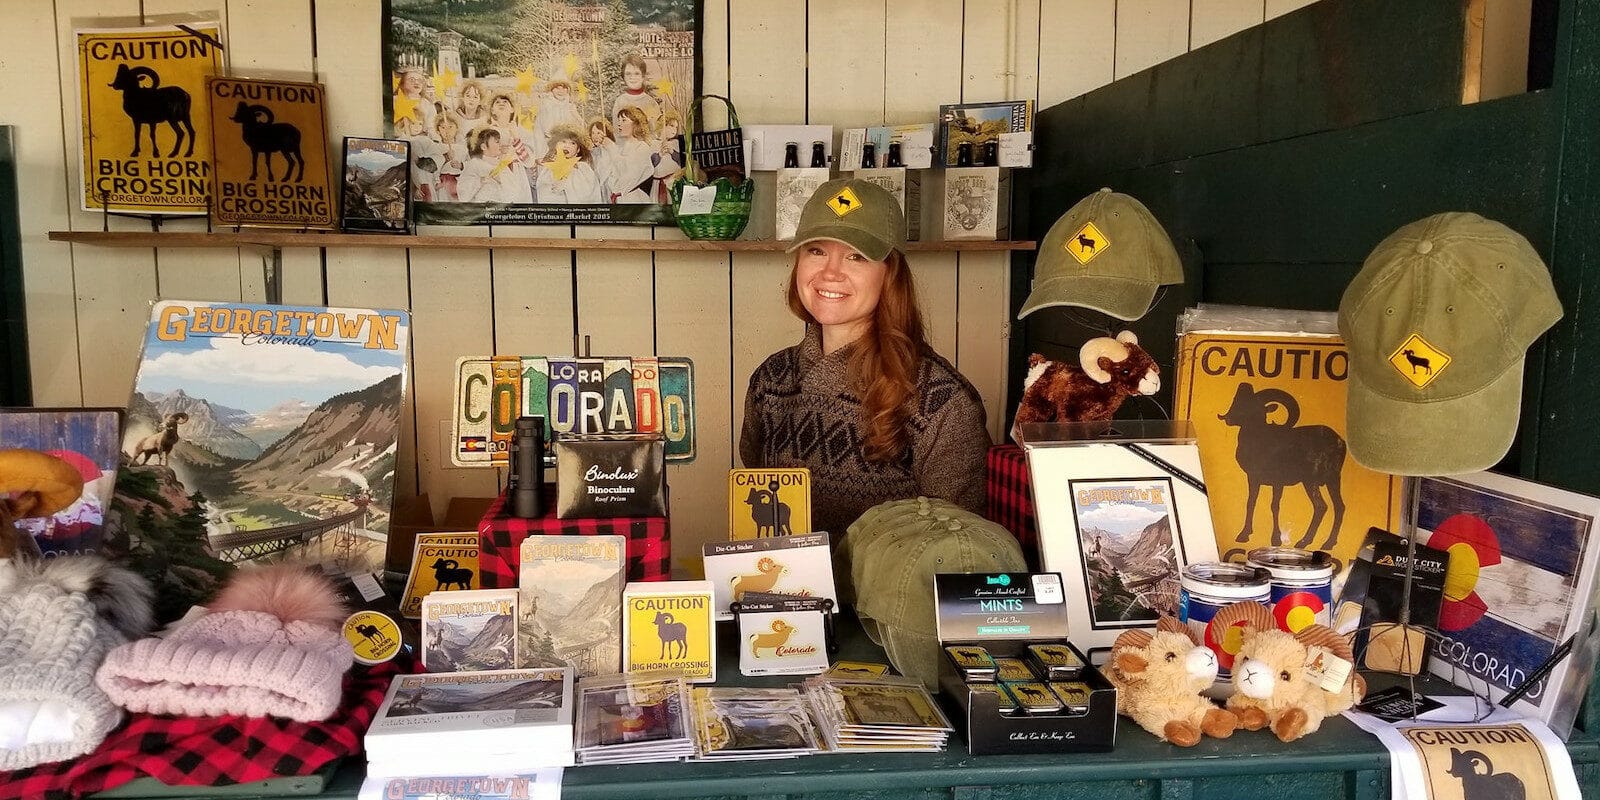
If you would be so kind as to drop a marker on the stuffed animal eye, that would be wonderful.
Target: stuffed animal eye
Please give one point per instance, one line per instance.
(1283, 676)
(1172, 656)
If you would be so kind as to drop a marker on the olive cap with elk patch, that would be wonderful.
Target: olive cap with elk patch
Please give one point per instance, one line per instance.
(1438, 323)
(860, 214)
(1107, 253)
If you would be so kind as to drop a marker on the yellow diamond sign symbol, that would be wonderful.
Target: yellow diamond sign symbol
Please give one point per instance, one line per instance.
(844, 202)
(1087, 243)
(1418, 361)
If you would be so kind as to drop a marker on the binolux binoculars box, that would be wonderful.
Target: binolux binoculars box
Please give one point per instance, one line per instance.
(615, 475)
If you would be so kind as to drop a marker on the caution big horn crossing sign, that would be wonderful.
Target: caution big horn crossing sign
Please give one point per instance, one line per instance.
(146, 136)
(768, 502)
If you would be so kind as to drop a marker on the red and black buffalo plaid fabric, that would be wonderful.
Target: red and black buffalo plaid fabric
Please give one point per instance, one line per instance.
(212, 751)
(500, 538)
(1010, 498)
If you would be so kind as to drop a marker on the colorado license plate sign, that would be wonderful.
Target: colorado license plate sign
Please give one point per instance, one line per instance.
(575, 396)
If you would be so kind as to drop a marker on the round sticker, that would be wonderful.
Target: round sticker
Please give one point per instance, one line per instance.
(374, 636)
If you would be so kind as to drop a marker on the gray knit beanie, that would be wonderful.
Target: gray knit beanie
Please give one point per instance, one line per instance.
(58, 619)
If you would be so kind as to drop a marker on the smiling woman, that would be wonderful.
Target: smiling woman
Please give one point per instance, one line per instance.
(862, 401)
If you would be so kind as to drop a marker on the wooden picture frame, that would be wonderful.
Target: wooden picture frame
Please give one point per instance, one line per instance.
(375, 198)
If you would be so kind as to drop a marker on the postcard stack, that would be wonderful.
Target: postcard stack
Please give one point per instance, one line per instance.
(885, 715)
(632, 719)
(465, 723)
(736, 724)
(465, 631)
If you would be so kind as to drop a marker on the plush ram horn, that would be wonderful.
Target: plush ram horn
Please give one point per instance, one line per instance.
(1325, 638)
(1127, 337)
(1251, 613)
(1093, 350)
(1172, 625)
(1131, 640)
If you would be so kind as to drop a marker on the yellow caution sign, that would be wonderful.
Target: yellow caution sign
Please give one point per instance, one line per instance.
(374, 637)
(1418, 361)
(768, 502)
(440, 562)
(271, 154)
(1086, 244)
(146, 136)
(844, 202)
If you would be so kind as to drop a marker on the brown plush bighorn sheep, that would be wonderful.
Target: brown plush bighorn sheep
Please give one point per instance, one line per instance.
(1108, 372)
(161, 442)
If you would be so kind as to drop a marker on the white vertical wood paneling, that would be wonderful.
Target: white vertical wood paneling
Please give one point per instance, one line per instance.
(113, 286)
(200, 273)
(1506, 29)
(347, 62)
(1277, 8)
(982, 328)
(1210, 20)
(455, 320)
(923, 71)
(274, 39)
(845, 62)
(767, 79)
(1077, 48)
(32, 97)
(616, 293)
(1150, 32)
(694, 319)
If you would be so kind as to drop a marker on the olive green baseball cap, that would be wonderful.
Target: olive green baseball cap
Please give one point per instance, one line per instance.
(1437, 324)
(860, 214)
(1107, 253)
(892, 565)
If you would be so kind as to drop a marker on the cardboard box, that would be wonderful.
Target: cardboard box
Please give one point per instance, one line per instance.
(906, 186)
(969, 203)
(1004, 613)
(795, 187)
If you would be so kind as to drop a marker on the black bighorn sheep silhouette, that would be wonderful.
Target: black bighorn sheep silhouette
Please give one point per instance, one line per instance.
(1486, 785)
(670, 633)
(161, 442)
(1284, 454)
(152, 105)
(267, 136)
(1417, 361)
(1086, 242)
(770, 514)
(447, 572)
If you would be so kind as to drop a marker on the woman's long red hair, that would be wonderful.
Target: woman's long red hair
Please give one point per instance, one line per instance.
(884, 362)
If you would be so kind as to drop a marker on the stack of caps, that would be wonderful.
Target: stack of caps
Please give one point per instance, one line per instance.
(751, 724)
(885, 715)
(895, 549)
(632, 719)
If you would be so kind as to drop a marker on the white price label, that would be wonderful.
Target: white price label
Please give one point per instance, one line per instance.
(697, 200)
(1016, 149)
(1047, 590)
(367, 585)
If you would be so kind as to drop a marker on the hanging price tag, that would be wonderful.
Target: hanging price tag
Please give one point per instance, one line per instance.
(697, 200)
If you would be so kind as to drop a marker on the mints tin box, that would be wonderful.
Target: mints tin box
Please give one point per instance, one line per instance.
(1003, 614)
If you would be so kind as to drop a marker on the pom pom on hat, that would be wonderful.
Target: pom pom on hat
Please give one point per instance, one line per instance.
(270, 645)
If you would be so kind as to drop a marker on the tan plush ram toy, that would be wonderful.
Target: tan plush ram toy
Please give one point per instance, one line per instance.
(1159, 677)
(1277, 675)
(32, 484)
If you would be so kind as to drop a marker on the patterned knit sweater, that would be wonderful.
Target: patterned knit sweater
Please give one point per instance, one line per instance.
(800, 412)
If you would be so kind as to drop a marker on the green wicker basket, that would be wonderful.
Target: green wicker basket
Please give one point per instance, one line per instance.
(730, 212)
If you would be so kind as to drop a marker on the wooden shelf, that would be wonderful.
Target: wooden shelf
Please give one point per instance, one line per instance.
(278, 239)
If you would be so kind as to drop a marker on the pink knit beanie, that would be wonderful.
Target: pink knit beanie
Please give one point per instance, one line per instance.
(270, 645)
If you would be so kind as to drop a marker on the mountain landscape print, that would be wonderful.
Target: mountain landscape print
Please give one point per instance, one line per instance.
(271, 429)
(1131, 566)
